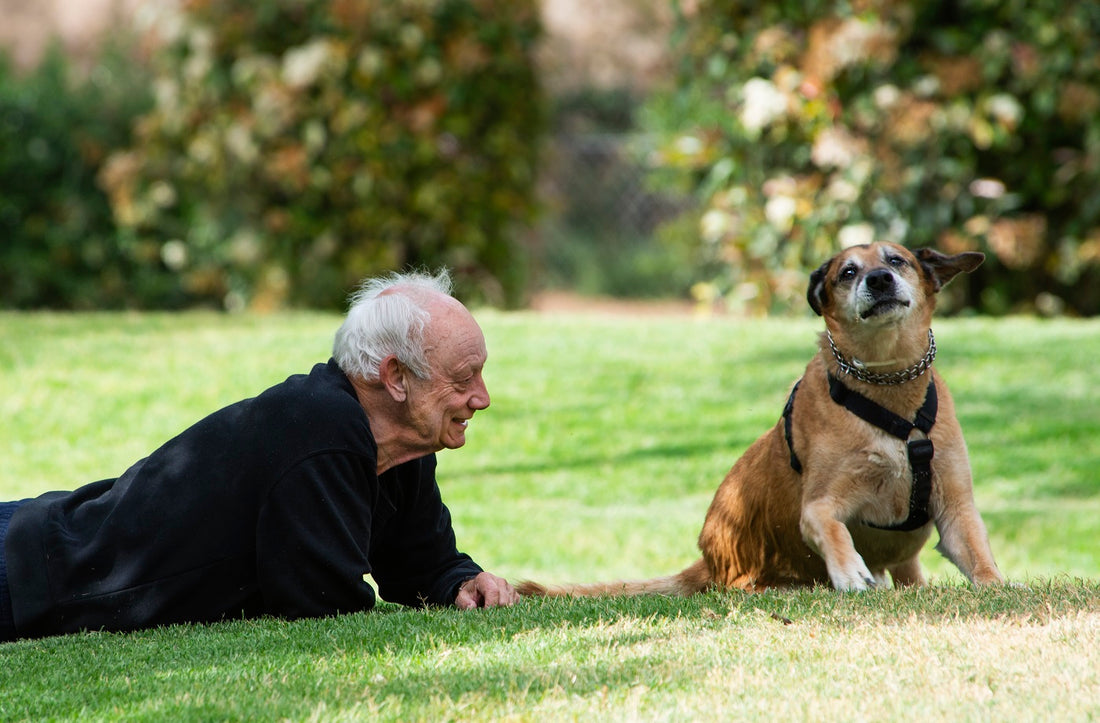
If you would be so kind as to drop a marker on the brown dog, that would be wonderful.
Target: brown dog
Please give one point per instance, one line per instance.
(866, 457)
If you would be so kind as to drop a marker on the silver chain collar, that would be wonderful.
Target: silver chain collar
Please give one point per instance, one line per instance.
(857, 369)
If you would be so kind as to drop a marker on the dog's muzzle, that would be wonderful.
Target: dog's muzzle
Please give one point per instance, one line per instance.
(880, 294)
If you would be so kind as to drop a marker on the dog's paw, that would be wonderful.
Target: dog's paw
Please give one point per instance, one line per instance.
(857, 585)
(856, 579)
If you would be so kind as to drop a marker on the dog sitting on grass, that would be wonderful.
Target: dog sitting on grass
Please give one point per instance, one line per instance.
(867, 457)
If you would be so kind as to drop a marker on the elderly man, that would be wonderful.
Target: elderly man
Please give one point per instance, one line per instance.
(277, 505)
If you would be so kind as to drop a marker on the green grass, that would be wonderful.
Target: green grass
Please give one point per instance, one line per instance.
(604, 443)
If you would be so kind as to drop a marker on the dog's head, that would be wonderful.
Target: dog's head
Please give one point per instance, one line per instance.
(883, 282)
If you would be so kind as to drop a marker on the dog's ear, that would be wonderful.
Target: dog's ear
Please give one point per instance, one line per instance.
(816, 294)
(942, 268)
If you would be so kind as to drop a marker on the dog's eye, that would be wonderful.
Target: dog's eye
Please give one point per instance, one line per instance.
(897, 262)
(847, 273)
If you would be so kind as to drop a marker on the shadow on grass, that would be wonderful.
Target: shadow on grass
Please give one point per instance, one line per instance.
(226, 670)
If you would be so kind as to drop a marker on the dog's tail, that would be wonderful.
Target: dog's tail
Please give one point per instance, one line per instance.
(695, 578)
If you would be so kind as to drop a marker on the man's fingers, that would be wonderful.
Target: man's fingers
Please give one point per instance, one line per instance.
(467, 596)
(490, 594)
(485, 590)
(499, 591)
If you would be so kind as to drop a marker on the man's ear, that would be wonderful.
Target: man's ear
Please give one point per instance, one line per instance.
(391, 373)
(942, 268)
(816, 294)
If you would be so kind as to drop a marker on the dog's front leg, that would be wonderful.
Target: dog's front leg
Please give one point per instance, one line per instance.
(828, 536)
(964, 541)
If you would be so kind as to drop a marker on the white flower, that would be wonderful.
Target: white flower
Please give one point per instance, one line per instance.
(886, 96)
(202, 151)
(779, 210)
(1005, 109)
(314, 137)
(714, 225)
(167, 94)
(763, 103)
(200, 61)
(411, 36)
(238, 139)
(856, 40)
(302, 65)
(834, 147)
(162, 194)
(842, 190)
(370, 62)
(174, 254)
(898, 230)
(245, 247)
(688, 145)
(856, 234)
(987, 188)
(926, 86)
(429, 72)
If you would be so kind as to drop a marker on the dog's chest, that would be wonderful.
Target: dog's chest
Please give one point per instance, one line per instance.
(887, 480)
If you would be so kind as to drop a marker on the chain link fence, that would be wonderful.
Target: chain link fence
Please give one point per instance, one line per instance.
(603, 217)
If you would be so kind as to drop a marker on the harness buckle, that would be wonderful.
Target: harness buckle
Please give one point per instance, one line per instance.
(920, 451)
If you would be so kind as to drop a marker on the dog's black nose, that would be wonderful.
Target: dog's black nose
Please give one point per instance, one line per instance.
(880, 280)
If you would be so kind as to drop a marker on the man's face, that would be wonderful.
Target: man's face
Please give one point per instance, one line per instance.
(442, 405)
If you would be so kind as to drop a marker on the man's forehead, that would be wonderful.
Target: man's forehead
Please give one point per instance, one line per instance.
(455, 339)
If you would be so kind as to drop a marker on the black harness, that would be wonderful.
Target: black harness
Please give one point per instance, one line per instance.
(920, 450)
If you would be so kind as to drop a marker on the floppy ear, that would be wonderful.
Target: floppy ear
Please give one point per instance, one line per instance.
(816, 294)
(942, 268)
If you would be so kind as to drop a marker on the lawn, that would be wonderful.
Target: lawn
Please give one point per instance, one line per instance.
(606, 438)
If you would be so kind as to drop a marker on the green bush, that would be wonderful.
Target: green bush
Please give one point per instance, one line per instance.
(965, 125)
(298, 145)
(58, 246)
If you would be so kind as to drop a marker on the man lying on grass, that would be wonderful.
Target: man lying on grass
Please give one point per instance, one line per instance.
(277, 505)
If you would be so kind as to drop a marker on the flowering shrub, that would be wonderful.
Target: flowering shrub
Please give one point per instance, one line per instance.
(299, 145)
(806, 126)
(58, 247)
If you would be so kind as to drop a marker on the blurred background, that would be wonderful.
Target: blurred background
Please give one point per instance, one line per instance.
(265, 154)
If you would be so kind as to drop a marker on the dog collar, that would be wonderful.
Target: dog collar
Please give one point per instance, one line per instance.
(858, 369)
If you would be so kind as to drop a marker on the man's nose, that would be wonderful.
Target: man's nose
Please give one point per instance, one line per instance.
(479, 399)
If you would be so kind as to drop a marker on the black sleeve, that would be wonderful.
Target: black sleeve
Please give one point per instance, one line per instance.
(416, 561)
(313, 535)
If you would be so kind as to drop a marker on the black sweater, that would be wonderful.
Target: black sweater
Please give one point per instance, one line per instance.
(271, 506)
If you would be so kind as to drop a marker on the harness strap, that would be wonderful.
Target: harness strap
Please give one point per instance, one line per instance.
(796, 465)
(920, 451)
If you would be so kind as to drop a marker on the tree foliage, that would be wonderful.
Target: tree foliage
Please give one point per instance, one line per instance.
(971, 124)
(57, 238)
(296, 146)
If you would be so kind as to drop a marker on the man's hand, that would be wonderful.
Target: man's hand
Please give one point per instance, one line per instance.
(485, 591)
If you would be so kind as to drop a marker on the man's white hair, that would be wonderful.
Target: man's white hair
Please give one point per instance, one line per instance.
(379, 324)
